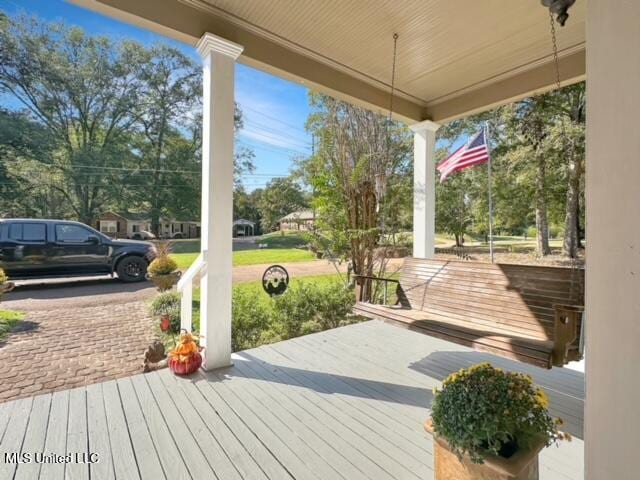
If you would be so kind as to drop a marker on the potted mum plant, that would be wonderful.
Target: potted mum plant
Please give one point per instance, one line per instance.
(5, 284)
(490, 424)
(162, 271)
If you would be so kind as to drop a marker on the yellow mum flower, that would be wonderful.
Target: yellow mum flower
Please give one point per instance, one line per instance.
(542, 398)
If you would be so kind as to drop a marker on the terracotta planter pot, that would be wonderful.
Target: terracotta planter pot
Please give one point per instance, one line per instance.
(164, 282)
(165, 323)
(522, 465)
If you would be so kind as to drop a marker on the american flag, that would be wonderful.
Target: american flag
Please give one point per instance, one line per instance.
(475, 152)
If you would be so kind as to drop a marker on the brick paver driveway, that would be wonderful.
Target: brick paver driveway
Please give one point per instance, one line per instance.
(74, 335)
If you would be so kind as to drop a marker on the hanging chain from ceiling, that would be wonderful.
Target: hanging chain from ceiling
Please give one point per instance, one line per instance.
(554, 41)
(393, 75)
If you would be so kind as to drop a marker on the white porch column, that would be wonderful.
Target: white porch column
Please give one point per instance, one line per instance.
(612, 423)
(424, 184)
(218, 56)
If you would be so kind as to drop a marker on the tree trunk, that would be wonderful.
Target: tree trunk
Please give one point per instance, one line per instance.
(155, 222)
(571, 241)
(542, 224)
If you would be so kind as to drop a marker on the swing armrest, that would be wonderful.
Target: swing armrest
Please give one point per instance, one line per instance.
(566, 333)
(369, 277)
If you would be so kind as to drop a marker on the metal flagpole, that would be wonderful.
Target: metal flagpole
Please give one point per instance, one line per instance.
(486, 133)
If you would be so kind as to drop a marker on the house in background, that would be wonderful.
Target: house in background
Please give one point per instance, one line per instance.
(243, 228)
(126, 224)
(300, 220)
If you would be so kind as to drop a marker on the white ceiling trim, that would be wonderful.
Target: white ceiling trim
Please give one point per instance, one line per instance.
(508, 74)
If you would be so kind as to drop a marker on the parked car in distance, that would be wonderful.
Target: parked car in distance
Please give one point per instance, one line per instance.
(143, 235)
(33, 248)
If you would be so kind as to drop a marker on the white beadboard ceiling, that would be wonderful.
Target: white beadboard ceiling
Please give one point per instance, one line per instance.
(446, 47)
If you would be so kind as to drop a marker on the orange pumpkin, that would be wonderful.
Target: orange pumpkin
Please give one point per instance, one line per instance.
(185, 368)
(185, 358)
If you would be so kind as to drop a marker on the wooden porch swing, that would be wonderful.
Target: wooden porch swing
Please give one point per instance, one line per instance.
(532, 314)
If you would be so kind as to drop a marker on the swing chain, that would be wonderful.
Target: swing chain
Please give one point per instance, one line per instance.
(393, 75)
(554, 41)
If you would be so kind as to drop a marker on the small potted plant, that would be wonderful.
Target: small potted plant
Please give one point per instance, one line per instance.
(5, 284)
(490, 424)
(166, 306)
(162, 271)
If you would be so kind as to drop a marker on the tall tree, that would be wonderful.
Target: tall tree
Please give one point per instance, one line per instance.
(170, 105)
(246, 206)
(454, 207)
(538, 165)
(571, 144)
(85, 91)
(23, 192)
(532, 117)
(358, 170)
(280, 197)
(123, 122)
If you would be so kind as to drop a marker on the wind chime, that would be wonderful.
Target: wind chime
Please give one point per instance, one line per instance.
(559, 8)
(381, 176)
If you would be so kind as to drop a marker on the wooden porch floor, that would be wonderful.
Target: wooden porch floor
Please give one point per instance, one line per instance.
(343, 404)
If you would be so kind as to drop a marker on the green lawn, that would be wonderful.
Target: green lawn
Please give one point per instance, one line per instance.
(271, 255)
(280, 249)
(184, 260)
(288, 240)
(186, 246)
(252, 257)
(8, 320)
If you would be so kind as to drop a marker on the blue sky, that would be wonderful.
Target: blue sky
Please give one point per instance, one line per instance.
(274, 114)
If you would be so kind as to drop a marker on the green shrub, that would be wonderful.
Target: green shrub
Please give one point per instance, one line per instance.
(294, 308)
(307, 308)
(531, 232)
(167, 303)
(334, 305)
(251, 318)
(483, 410)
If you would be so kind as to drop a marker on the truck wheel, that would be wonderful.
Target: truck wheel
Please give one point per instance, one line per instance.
(132, 269)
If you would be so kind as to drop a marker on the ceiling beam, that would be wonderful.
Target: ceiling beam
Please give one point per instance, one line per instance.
(530, 82)
(185, 23)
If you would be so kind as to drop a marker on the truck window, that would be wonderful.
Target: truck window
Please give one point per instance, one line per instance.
(28, 232)
(72, 234)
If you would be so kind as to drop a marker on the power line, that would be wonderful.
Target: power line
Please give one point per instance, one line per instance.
(133, 169)
(171, 185)
(283, 134)
(96, 174)
(273, 138)
(242, 107)
(271, 148)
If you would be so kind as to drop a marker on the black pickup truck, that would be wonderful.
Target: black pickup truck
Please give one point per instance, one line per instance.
(57, 248)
